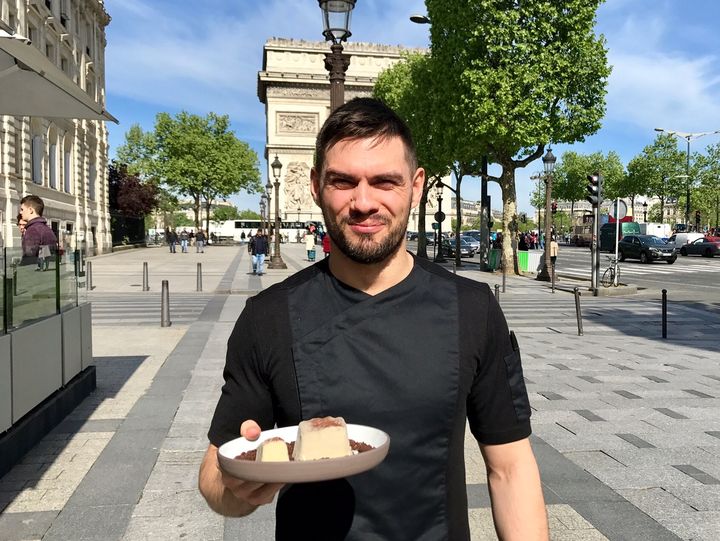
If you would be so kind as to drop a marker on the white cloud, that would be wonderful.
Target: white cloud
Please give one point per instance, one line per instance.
(659, 90)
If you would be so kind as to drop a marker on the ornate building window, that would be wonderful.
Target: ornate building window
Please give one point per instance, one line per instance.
(53, 165)
(37, 155)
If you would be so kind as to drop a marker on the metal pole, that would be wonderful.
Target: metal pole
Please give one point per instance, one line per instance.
(497, 292)
(146, 284)
(595, 275)
(337, 64)
(687, 201)
(454, 267)
(88, 276)
(664, 313)
(553, 278)
(617, 237)
(199, 277)
(578, 312)
(165, 305)
(504, 276)
(484, 215)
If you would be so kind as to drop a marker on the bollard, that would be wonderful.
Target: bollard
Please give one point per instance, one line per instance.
(146, 284)
(497, 292)
(664, 313)
(504, 277)
(578, 312)
(553, 279)
(88, 276)
(165, 305)
(199, 277)
(454, 268)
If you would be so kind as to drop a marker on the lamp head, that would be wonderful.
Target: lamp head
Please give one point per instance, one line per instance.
(549, 161)
(336, 19)
(276, 167)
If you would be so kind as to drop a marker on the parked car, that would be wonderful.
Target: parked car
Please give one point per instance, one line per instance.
(706, 247)
(646, 248)
(448, 248)
(472, 241)
(429, 237)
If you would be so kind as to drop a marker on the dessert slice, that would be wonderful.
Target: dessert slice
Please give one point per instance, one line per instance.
(322, 437)
(272, 450)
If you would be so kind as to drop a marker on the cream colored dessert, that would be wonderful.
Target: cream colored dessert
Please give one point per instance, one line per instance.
(322, 437)
(272, 450)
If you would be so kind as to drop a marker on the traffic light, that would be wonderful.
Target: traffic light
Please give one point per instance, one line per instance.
(553, 207)
(594, 189)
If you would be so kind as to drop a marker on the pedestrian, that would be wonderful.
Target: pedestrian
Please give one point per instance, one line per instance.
(191, 238)
(356, 336)
(310, 245)
(258, 248)
(172, 240)
(242, 237)
(39, 242)
(21, 223)
(200, 242)
(554, 250)
(184, 241)
(326, 244)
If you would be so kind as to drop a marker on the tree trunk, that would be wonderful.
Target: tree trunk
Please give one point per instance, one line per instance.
(196, 210)
(509, 220)
(422, 241)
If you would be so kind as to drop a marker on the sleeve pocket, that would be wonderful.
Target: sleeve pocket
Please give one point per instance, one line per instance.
(513, 365)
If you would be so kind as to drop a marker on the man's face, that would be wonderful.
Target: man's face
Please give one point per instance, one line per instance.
(366, 192)
(27, 212)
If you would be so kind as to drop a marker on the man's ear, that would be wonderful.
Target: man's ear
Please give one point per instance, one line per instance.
(315, 185)
(418, 181)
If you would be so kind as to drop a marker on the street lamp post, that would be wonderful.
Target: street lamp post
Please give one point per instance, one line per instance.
(439, 217)
(688, 137)
(263, 198)
(549, 164)
(276, 261)
(645, 212)
(336, 23)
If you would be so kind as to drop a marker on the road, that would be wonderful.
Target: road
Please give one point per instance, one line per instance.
(692, 278)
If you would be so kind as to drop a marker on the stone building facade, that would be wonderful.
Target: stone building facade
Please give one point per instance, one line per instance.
(295, 89)
(62, 160)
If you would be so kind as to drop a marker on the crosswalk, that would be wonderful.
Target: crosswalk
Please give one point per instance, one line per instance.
(637, 269)
(144, 309)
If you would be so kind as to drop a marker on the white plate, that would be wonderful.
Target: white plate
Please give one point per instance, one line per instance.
(303, 471)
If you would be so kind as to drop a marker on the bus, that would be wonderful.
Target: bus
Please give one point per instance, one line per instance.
(290, 231)
(582, 230)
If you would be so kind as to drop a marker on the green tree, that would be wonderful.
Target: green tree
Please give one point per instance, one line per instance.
(518, 75)
(403, 88)
(658, 170)
(248, 214)
(223, 213)
(200, 157)
(707, 197)
(138, 152)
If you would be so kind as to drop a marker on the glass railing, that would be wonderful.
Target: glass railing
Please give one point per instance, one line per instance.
(35, 287)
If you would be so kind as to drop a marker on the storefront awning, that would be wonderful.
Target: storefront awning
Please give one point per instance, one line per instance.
(31, 85)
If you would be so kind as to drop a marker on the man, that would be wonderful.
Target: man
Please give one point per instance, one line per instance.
(200, 242)
(184, 241)
(355, 335)
(258, 248)
(38, 241)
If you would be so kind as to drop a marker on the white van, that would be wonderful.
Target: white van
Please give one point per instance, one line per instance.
(678, 240)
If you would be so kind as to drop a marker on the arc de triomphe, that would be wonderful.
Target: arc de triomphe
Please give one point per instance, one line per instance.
(295, 89)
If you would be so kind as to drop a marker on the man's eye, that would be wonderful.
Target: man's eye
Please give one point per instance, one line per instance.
(342, 184)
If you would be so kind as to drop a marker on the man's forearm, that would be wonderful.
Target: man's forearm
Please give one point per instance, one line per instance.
(517, 504)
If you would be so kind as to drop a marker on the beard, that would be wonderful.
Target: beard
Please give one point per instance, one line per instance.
(363, 248)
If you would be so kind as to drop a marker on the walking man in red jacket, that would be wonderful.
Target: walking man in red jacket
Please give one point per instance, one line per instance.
(39, 241)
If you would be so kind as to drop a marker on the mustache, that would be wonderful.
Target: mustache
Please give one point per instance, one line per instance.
(355, 218)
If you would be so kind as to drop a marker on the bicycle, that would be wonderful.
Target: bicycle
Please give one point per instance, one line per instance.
(611, 273)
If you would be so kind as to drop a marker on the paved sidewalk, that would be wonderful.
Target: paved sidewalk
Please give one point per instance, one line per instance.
(625, 423)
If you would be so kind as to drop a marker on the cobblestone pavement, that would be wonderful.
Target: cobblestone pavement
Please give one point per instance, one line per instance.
(626, 425)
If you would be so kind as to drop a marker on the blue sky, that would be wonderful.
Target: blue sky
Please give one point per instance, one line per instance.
(173, 55)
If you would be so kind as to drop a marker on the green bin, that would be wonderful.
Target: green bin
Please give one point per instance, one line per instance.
(493, 259)
(523, 260)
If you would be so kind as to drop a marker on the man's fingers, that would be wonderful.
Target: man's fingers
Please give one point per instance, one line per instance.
(252, 492)
(250, 430)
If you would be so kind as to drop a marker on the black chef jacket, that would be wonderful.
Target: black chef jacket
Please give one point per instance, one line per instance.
(415, 360)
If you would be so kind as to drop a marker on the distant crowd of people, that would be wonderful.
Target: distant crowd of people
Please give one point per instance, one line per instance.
(186, 239)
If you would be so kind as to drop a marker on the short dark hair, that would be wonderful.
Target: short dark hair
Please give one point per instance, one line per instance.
(35, 202)
(362, 118)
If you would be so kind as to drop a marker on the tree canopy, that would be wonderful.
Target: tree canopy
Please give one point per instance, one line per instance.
(515, 77)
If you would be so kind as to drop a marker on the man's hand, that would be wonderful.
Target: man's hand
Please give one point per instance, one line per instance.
(228, 495)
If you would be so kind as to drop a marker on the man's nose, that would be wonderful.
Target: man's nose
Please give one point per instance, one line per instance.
(363, 201)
